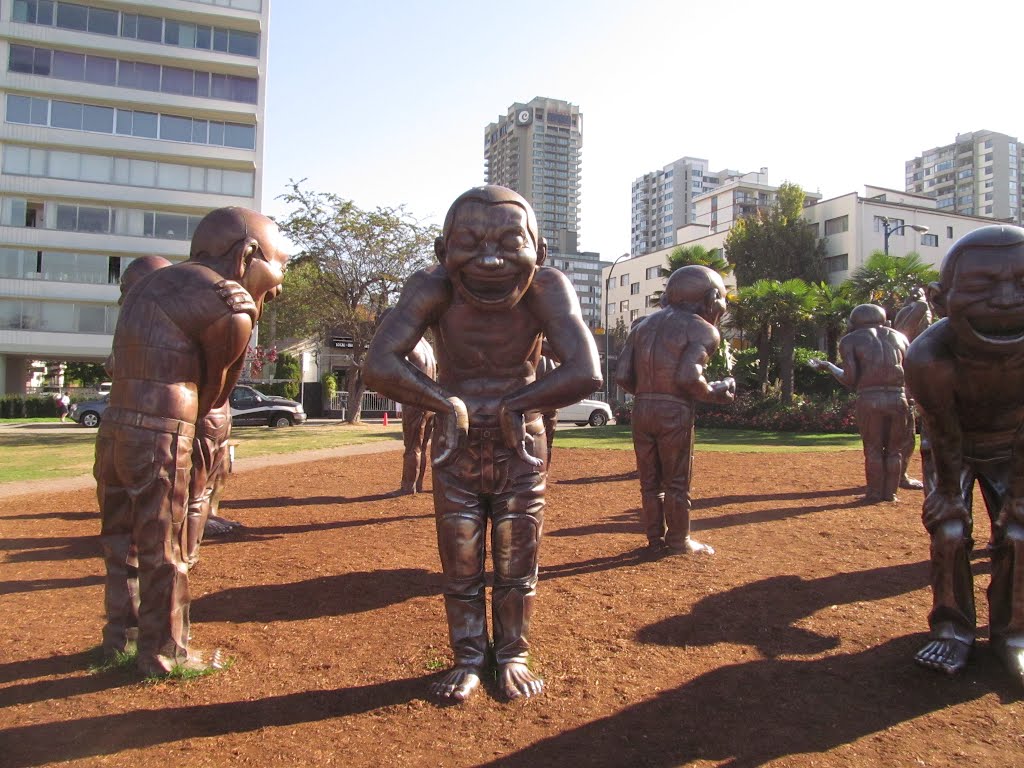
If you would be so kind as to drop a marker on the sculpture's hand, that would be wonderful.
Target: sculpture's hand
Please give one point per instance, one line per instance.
(815, 363)
(453, 428)
(940, 507)
(236, 297)
(724, 391)
(513, 430)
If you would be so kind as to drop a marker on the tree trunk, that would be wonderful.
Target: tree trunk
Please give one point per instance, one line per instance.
(764, 349)
(356, 387)
(787, 348)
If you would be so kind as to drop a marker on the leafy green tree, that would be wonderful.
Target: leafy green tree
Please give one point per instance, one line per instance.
(685, 255)
(351, 266)
(887, 280)
(86, 374)
(749, 317)
(776, 243)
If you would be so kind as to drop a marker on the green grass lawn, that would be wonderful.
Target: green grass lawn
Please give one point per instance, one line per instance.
(38, 455)
(736, 440)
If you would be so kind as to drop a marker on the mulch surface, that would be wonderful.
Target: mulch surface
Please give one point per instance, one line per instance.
(792, 646)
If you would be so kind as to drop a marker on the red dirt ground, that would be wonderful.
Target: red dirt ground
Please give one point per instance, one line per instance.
(791, 647)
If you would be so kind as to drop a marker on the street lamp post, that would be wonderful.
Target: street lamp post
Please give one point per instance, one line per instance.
(888, 230)
(607, 330)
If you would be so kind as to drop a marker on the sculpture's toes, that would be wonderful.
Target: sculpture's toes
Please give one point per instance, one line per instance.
(517, 681)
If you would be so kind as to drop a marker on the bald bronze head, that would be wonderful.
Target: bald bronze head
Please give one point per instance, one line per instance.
(138, 269)
(867, 316)
(981, 288)
(698, 289)
(490, 247)
(242, 245)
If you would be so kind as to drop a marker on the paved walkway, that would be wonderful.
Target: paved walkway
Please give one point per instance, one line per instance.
(242, 464)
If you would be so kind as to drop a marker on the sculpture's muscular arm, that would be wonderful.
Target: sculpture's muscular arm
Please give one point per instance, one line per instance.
(931, 375)
(849, 374)
(425, 297)
(554, 303)
(701, 344)
(625, 371)
(223, 342)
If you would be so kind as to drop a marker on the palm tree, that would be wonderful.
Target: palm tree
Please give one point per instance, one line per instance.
(750, 317)
(787, 305)
(833, 306)
(698, 254)
(888, 280)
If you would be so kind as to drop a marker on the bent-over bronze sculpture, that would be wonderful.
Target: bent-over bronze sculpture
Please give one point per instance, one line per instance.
(178, 348)
(872, 356)
(662, 364)
(967, 373)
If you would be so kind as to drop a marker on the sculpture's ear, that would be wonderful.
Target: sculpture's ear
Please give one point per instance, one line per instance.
(711, 297)
(439, 249)
(937, 298)
(241, 255)
(542, 252)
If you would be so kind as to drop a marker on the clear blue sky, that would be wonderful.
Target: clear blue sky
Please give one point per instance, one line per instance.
(385, 102)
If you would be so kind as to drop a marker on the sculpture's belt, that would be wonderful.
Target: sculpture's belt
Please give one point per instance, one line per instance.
(492, 433)
(145, 421)
(667, 398)
(869, 390)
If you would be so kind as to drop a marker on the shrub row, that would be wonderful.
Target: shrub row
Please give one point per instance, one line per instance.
(27, 407)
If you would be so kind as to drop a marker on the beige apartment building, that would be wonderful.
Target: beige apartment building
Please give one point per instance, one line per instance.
(979, 174)
(123, 124)
(852, 225)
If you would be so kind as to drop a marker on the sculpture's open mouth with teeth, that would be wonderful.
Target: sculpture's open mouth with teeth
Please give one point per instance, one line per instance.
(1010, 331)
(491, 290)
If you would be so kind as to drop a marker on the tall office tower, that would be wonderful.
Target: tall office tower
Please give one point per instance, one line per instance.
(124, 123)
(977, 175)
(663, 201)
(535, 149)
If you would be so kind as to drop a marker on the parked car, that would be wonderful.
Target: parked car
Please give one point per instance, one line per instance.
(592, 412)
(250, 406)
(89, 412)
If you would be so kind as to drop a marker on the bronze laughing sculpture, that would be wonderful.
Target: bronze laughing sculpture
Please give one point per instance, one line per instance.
(178, 348)
(872, 354)
(967, 373)
(489, 301)
(662, 364)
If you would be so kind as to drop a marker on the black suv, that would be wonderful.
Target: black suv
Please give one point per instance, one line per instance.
(250, 406)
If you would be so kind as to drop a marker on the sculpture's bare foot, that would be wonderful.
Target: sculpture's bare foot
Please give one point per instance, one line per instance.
(518, 681)
(1011, 653)
(910, 483)
(655, 548)
(457, 684)
(691, 547)
(947, 655)
(402, 492)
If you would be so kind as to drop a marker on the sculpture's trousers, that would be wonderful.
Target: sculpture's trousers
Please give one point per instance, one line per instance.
(142, 473)
(663, 441)
(953, 612)
(485, 480)
(209, 464)
(883, 418)
(417, 426)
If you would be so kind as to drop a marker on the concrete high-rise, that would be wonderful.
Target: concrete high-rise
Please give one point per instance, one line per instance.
(535, 148)
(979, 174)
(124, 123)
(664, 201)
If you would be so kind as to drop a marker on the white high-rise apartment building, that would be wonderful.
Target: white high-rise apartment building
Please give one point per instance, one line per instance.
(536, 149)
(980, 174)
(123, 124)
(665, 201)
